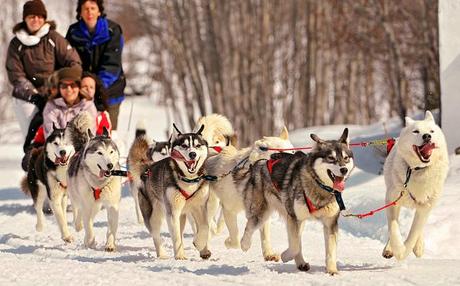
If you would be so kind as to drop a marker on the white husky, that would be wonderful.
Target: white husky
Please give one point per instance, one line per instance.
(91, 185)
(419, 160)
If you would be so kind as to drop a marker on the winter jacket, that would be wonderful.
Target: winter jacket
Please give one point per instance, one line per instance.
(56, 111)
(32, 58)
(100, 53)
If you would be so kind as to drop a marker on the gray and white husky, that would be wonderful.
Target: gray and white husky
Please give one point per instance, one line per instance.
(142, 153)
(92, 185)
(174, 188)
(420, 161)
(299, 187)
(232, 166)
(46, 176)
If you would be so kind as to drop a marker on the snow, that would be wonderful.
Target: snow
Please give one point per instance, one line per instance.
(28, 257)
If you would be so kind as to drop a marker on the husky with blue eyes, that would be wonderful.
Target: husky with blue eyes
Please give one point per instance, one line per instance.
(414, 171)
(174, 188)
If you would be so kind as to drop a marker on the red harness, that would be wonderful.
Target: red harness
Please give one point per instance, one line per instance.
(96, 193)
(310, 206)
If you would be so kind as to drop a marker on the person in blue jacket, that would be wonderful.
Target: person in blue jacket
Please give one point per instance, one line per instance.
(99, 42)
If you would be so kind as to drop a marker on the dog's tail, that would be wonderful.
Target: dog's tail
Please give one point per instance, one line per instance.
(77, 130)
(140, 129)
(216, 125)
(138, 154)
(25, 186)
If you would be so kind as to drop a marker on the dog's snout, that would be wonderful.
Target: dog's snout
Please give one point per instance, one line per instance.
(343, 170)
(192, 155)
(426, 137)
(110, 166)
(62, 152)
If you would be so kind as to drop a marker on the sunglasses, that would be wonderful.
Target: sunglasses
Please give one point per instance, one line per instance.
(64, 85)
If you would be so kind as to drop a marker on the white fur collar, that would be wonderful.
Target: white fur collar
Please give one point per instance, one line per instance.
(31, 40)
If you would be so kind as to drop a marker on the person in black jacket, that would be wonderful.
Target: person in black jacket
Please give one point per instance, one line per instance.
(99, 42)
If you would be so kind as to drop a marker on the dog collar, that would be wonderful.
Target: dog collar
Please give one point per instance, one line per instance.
(198, 179)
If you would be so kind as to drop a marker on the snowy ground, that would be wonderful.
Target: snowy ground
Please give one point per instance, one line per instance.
(28, 257)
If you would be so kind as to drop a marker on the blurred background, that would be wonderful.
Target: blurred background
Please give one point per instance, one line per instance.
(267, 63)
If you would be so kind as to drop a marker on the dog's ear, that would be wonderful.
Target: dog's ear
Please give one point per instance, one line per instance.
(200, 130)
(284, 133)
(344, 138)
(105, 132)
(429, 116)
(317, 139)
(54, 126)
(409, 121)
(177, 129)
(234, 140)
(90, 134)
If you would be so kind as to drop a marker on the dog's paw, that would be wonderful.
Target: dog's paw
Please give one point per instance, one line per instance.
(229, 243)
(272, 257)
(287, 255)
(205, 253)
(387, 254)
(180, 257)
(110, 248)
(419, 248)
(199, 244)
(332, 271)
(39, 227)
(304, 266)
(68, 239)
(245, 245)
(90, 243)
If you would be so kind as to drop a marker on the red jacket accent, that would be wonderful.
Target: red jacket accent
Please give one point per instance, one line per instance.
(40, 136)
(103, 120)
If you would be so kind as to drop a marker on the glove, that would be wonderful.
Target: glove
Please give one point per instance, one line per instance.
(39, 100)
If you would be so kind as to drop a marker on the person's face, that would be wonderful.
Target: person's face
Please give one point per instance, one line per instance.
(89, 13)
(88, 87)
(34, 23)
(69, 90)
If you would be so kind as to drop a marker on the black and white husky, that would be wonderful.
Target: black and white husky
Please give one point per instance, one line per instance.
(299, 187)
(92, 185)
(46, 176)
(174, 188)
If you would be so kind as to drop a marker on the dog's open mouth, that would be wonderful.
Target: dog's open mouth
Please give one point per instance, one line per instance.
(62, 161)
(338, 182)
(103, 173)
(424, 151)
(191, 165)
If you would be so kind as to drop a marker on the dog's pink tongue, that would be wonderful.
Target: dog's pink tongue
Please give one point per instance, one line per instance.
(427, 149)
(339, 184)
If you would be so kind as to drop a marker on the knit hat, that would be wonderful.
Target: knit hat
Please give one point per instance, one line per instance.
(34, 7)
(72, 73)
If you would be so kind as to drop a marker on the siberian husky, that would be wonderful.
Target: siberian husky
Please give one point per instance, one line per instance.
(46, 176)
(142, 153)
(91, 185)
(415, 169)
(232, 167)
(299, 187)
(174, 188)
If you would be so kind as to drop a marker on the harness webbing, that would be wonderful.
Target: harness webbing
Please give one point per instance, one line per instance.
(270, 163)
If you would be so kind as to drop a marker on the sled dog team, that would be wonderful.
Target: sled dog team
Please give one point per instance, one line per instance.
(194, 175)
